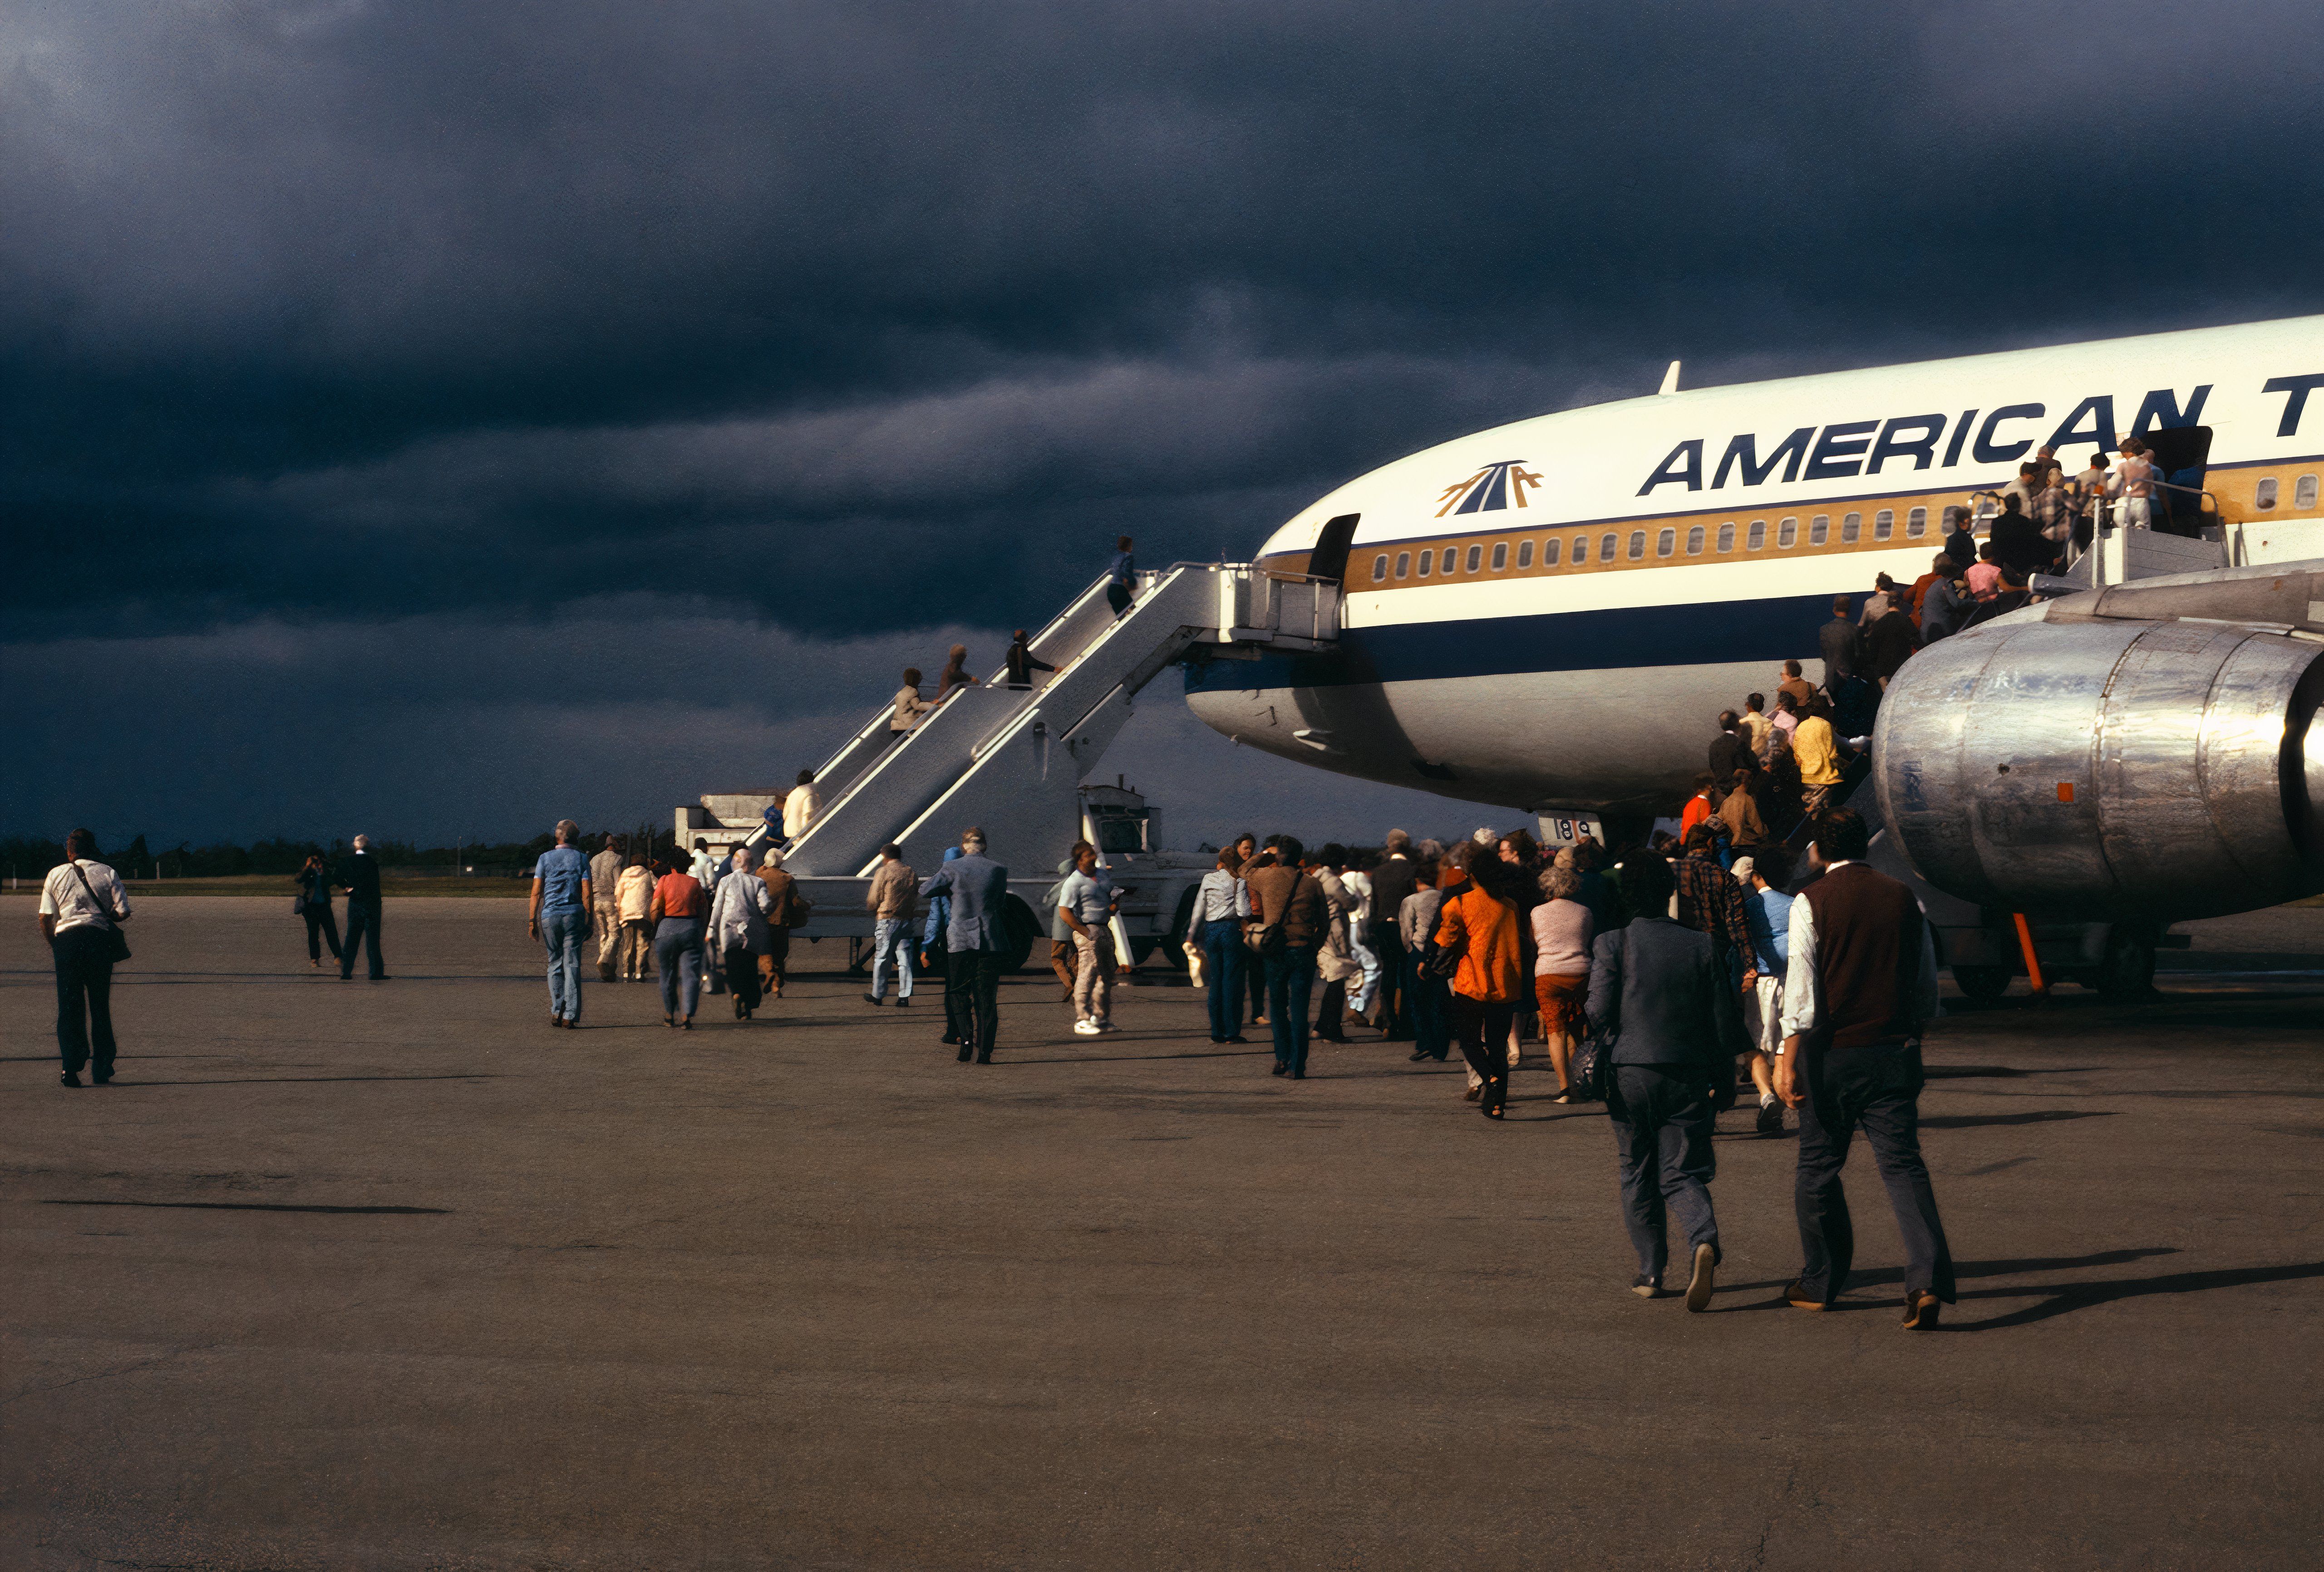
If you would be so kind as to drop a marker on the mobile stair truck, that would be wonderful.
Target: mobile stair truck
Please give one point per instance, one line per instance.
(1013, 760)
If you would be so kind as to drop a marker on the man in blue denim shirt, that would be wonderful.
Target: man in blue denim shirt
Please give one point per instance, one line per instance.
(559, 917)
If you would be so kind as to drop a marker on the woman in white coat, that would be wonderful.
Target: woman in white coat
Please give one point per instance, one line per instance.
(738, 930)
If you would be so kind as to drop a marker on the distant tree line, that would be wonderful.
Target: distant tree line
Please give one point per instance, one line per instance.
(29, 856)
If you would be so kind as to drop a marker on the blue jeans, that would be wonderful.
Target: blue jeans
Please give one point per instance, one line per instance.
(1223, 957)
(1290, 978)
(562, 932)
(677, 956)
(892, 937)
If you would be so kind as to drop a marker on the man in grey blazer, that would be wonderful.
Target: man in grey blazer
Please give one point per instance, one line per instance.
(1670, 1025)
(974, 939)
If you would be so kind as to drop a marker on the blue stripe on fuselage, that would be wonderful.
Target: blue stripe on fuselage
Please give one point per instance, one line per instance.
(1701, 634)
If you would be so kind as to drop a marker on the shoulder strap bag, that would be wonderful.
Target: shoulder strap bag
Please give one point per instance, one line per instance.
(119, 950)
(1442, 961)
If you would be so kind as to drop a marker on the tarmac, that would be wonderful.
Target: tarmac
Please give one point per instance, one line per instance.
(354, 1275)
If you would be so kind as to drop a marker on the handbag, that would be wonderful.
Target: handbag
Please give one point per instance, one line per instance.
(1442, 961)
(1267, 938)
(1591, 1069)
(118, 949)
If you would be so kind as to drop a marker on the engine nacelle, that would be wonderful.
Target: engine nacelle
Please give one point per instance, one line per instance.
(2097, 767)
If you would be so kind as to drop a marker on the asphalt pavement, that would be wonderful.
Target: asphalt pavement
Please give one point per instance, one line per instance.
(355, 1275)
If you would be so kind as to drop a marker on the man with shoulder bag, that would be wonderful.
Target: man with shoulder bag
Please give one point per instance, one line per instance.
(82, 909)
(1292, 922)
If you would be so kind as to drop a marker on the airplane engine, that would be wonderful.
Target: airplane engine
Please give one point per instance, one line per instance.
(2094, 766)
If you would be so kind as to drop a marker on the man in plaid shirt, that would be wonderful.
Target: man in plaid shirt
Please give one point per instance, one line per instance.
(1711, 902)
(2052, 511)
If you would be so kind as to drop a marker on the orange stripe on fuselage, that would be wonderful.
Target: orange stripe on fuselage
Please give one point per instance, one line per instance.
(2232, 486)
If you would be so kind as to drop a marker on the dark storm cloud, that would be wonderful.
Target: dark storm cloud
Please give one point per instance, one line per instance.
(871, 317)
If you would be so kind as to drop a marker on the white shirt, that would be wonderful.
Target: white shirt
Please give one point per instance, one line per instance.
(1360, 883)
(63, 898)
(1803, 996)
(1221, 896)
(799, 809)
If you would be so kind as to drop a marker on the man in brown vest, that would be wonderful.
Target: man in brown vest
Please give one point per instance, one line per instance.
(1861, 981)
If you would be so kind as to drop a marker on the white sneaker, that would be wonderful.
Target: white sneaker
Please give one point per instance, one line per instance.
(1085, 1028)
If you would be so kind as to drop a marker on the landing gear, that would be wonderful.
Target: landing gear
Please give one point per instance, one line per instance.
(2125, 972)
(1983, 983)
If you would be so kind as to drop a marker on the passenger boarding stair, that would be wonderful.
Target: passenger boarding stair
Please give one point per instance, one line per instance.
(1011, 759)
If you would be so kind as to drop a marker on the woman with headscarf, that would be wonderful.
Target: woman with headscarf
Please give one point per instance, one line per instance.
(1480, 926)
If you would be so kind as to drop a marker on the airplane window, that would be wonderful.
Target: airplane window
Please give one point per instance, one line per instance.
(1606, 548)
(1883, 523)
(2304, 491)
(1818, 529)
(1850, 529)
(1524, 553)
(1638, 544)
(1476, 555)
(1666, 542)
(1758, 537)
(1694, 541)
(1403, 563)
(2266, 497)
(1787, 535)
(1500, 555)
(1427, 561)
(1916, 523)
(1727, 537)
(1379, 567)
(1580, 549)
(1549, 552)
(1447, 564)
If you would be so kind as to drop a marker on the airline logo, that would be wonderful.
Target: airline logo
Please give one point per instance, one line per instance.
(1489, 489)
(1863, 447)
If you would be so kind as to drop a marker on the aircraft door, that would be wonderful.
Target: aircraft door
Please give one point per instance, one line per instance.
(1329, 560)
(2183, 454)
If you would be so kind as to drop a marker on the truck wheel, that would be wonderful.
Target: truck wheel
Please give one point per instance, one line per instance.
(2126, 971)
(1173, 951)
(1983, 983)
(1021, 928)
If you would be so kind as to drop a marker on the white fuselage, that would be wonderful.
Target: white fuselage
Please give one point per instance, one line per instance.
(1551, 614)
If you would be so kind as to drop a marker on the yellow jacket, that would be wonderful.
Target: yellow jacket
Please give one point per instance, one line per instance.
(1817, 752)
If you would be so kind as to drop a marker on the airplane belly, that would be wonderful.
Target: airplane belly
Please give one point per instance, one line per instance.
(1591, 740)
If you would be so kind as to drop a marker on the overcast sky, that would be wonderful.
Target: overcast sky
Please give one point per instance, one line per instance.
(434, 419)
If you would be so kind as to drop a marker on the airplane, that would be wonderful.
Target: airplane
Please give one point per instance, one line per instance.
(1538, 614)
(1550, 612)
